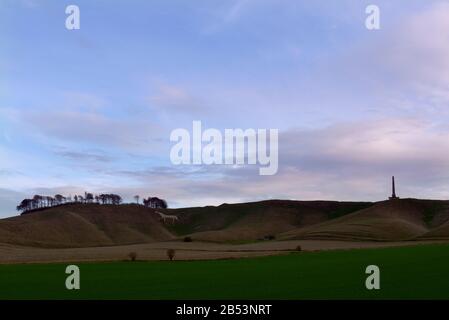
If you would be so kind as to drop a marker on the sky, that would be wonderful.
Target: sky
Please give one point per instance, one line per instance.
(92, 109)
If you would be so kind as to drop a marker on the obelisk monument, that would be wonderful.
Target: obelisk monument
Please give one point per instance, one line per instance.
(393, 189)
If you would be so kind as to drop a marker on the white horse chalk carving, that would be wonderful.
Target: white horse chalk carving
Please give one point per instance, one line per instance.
(167, 218)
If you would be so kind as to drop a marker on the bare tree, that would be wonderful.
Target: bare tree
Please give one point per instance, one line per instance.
(132, 256)
(171, 254)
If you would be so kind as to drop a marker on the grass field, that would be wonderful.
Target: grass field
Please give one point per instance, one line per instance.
(419, 272)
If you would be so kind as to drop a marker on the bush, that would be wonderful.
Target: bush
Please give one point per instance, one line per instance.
(298, 248)
(171, 254)
(132, 256)
(188, 239)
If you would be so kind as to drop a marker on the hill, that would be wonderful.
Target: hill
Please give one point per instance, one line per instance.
(90, 225)
(392, 220)
(84, 225)
(257, 220)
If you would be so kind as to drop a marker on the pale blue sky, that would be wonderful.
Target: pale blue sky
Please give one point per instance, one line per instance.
(92, 109)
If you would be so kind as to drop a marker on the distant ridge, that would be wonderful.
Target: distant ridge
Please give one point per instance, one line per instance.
(90, 225)
(258, 220)
(391, 220)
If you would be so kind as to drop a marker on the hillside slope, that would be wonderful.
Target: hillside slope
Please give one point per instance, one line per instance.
(84, 225)
(256, 220)
(403, 219)
(439, 233)
(89, 225)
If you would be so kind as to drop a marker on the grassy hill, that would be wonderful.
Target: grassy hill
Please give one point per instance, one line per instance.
(439, 233)
(84, 225)
(402, 219)
(89, 225)
(256, 220)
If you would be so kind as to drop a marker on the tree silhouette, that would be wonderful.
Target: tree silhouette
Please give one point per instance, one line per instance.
(116, 199)
(41, 202)
(89, 197)
(37, 201)
(155, 203)
(60, 199)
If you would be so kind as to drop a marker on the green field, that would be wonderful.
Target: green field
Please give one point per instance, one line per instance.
(420, 272)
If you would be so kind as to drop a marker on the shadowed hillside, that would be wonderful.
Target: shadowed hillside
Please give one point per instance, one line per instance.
(401, 219)
(257, 220)
(440, 233)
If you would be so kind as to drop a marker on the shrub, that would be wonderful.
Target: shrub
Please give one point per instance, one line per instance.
(188, 239)
(298, 248)
(132, 256)
(171, 254)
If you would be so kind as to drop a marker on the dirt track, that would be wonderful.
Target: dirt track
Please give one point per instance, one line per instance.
(184, 251)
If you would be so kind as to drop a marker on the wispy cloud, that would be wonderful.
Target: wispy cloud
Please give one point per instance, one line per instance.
(89, 156)
(91, 127)
(171, 99)
(227, 14)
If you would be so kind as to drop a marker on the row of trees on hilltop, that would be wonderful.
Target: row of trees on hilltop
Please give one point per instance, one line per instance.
(155, 203)
(39, 202)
